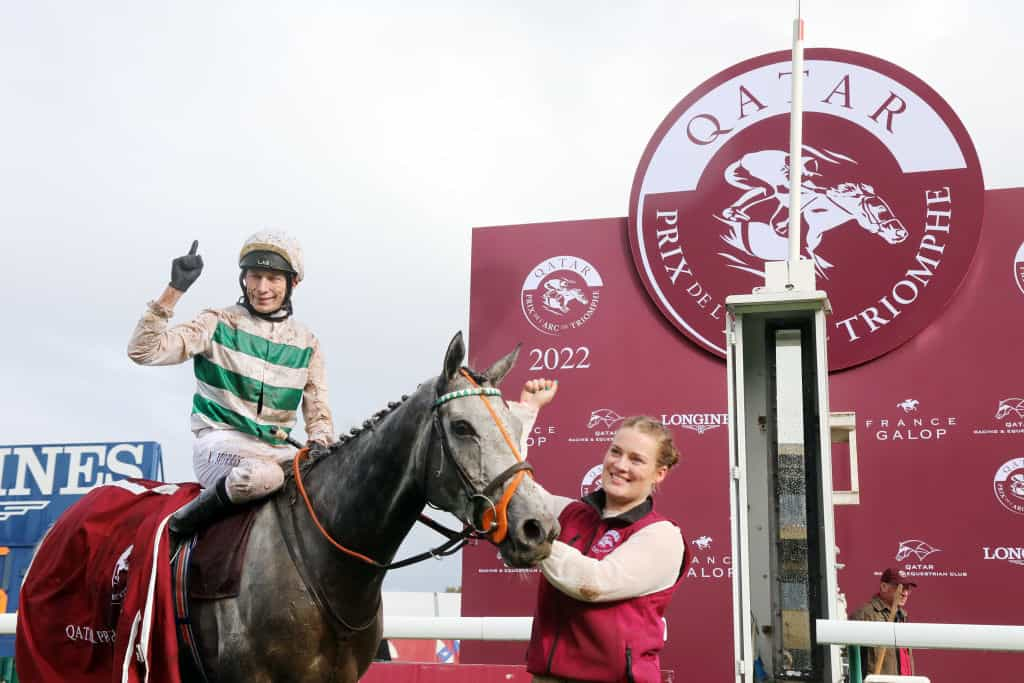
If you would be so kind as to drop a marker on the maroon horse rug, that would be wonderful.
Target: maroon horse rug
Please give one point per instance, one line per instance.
(96, 605)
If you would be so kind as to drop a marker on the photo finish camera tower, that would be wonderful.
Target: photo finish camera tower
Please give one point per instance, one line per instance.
(783, 535)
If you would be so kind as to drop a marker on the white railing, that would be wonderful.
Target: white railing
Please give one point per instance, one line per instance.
(459, 628)
(935, 636)
(445, 628)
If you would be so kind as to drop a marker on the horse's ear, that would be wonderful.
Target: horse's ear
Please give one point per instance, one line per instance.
(497, 372)
(453, 356)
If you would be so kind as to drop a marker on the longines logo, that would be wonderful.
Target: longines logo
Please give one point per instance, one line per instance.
(705, 563)
(891, 198)
(697, 422)
(914, 552)
(561, 293)
(1006, 554)
(1009, 415)
(910, 424)
(1008, 485)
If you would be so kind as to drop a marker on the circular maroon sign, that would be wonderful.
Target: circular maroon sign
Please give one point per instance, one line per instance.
(891, 199)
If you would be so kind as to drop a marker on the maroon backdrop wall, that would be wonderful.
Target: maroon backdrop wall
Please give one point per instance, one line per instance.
(936, 463)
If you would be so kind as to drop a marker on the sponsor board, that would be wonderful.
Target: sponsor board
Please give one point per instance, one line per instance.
(888, 177)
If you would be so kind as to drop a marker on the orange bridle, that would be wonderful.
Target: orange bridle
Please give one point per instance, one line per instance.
(494, 518)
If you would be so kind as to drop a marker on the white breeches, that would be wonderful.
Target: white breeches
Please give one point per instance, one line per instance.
(252, 467)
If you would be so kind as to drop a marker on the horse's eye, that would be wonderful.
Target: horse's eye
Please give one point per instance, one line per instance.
(463, 428)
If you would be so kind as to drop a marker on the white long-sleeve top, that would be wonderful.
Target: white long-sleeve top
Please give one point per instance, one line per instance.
(647, 562)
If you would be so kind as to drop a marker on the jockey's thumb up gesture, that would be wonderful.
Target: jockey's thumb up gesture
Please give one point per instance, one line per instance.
(537, 393)
(186, 269)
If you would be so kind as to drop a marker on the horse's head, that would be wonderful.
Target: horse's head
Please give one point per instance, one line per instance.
(871, 211)
(474, 471)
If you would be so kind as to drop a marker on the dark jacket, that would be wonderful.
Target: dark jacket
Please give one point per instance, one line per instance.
(877, 610)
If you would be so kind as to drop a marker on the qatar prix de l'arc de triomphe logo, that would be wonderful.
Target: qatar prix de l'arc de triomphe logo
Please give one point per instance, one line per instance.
(891, 198)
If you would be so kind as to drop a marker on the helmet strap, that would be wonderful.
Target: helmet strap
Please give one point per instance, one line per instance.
(276, 316)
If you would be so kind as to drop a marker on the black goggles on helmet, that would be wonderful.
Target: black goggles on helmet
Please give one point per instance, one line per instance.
(265, 260)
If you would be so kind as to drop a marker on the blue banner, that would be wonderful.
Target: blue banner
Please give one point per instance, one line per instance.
(39, 482)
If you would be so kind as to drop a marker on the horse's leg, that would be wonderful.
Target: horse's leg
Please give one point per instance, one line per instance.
(273, 632)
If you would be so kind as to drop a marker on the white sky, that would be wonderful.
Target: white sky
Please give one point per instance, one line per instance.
(378, 133)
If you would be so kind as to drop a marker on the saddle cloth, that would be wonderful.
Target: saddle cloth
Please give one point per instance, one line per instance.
(96, 604)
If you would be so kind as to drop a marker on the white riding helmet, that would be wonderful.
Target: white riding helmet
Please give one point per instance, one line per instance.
(272, 250)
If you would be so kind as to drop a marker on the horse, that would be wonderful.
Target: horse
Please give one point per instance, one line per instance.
(309, 605)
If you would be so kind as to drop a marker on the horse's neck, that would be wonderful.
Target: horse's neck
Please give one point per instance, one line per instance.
(369, 494)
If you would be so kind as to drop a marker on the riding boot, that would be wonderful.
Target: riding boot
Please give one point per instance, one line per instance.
(207, 506)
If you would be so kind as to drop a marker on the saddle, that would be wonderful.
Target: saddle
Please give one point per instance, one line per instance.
(208, 566)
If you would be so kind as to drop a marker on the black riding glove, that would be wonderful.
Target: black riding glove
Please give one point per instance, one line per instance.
(186, 269)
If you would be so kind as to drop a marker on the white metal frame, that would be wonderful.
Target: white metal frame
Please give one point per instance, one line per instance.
(774, 300)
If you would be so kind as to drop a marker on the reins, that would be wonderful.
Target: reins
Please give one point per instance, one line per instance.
(494, 518)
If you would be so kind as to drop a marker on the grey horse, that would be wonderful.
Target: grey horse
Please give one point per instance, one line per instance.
(308, 611)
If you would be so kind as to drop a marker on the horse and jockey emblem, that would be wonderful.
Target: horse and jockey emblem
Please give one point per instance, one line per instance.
(1017, 484)
(559, 293)
(890, 200)
(702, 542)
(759, 218)
(909, 405)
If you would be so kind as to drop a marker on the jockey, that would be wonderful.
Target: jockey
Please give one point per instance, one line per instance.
(765, 176)
(254, 365)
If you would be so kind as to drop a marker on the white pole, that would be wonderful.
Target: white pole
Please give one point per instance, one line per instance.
(459, 628)
(796, 134)
(1002, 638)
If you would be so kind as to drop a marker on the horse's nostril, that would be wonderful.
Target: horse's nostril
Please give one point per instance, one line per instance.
(532, 531)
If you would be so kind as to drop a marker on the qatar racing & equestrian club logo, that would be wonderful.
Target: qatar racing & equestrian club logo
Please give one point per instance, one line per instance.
(561, 293)
(891, 198)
